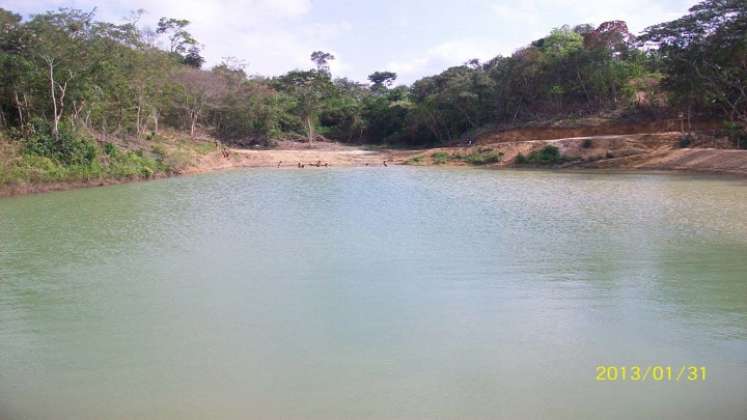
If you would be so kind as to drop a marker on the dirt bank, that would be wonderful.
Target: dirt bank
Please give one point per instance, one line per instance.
(290, 155)
(654, 151)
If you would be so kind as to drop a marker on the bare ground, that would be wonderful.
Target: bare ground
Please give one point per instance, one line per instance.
(649, 151)
(291, 154)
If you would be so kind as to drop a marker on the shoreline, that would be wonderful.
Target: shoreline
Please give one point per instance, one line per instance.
(617, 153)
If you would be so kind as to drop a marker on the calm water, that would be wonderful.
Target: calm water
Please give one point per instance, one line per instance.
(374, 293)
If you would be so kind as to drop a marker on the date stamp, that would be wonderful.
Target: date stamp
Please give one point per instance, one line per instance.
(651, 373)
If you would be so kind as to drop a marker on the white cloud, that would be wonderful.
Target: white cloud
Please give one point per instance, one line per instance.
(639, 14)
(270, 35)
(442, 56)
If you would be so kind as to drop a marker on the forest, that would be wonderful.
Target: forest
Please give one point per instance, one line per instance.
(70, 83)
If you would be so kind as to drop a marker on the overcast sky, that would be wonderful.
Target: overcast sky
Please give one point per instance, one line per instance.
(411, 37)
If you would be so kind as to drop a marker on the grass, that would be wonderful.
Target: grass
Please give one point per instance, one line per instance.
(483, 157)
(21, 166)
(417, 160)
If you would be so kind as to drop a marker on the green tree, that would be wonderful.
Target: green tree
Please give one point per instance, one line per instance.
(321, 59)
(179, 38)
(705, 57)
(381, 80)
(308, 88)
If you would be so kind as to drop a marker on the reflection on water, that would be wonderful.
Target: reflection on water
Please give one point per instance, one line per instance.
(374, 293)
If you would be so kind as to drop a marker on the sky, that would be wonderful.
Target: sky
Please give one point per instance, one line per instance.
(413, 38)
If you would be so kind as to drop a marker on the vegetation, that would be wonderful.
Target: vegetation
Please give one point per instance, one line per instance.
(483, 157)
(548, 155)
(70, 84)
(440, 158)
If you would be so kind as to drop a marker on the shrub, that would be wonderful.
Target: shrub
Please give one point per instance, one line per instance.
(484, 157)
(736, 133)
(110, 149)
(440, 158)
(548, 155)
(68, 148)
(685, 141)
(587, 144)
(417, 160)
(133, 165)
(159, 152)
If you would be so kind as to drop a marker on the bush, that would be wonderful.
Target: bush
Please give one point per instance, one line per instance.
(110, 149)
(736, 133)
(133, 165)
(159, 152)
(587, 144)
(548, 155)
(69, 148)
(685, 141)
(417, 160)
(484, 157)
(440, 158)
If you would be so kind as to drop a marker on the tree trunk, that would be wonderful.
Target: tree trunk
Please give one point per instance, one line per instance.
(310, 129)
(193, 124)
(55, 126)
(689, 118)
(138, 130)
(154, 114)
(20, 109)
(583, 86)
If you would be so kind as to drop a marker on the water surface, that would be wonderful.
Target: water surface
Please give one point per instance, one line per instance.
(374, 293)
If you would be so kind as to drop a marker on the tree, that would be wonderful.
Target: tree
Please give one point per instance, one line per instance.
(322, 59)
(308, 88)
(381, 80)
(174, 29)
(705, 57)
(198, 90)
(560, 43)
(193, 57)
(613, 36)
(59, 42)
(14, 70)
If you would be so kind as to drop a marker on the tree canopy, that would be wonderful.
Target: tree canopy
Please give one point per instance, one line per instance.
(64, 70)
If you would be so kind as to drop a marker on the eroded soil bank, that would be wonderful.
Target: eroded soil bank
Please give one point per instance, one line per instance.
(649, 151)
(655, 151)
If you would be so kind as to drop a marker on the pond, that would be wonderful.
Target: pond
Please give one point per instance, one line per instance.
(375, 293)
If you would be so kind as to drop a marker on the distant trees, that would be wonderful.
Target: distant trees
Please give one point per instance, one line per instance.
(704, 57)
(381, 80)
(64, 71)
(322, 59)
(179, 40)
(308, 88)
(193, 58)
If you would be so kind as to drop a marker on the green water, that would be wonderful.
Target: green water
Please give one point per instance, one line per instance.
(374, 293)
